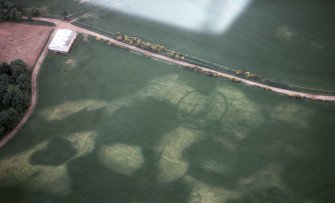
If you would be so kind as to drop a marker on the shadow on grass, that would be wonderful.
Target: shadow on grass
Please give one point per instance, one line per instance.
(49, 130)
(141, 123)
(92, 182)
(57, 152)
(17, 194)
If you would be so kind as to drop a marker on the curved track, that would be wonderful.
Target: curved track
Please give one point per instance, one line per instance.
(68, 25)
(34, 94)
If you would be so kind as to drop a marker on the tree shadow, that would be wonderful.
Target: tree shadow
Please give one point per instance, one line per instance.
(141, 123)
(57, 152)
(14, 194)
(92, 182)
(79, 121)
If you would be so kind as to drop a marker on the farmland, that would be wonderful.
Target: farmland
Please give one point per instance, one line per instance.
(112, 125)
(22, 41)
(115, 125)
(270, 39)
(289, 43)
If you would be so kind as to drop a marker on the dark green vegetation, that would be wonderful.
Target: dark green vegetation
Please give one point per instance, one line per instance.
(54, 9)
(9, 11)
(291, 42)
(113, 126)
(15, 90)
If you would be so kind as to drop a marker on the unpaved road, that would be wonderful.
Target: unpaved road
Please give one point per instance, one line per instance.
(67, 25)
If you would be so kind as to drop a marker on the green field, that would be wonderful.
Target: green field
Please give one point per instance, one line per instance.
(288, 41)
(114, 126)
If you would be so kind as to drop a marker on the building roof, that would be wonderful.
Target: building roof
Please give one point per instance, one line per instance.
(62, 40)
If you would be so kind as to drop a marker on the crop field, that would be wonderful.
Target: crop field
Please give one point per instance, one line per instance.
(22, 41)
(114, 126)
(289, 42)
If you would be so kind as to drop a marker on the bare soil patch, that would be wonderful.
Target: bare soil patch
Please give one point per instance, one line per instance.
(22, 41)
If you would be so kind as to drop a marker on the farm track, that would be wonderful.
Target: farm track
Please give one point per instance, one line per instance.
(34, 94)
(67, 25)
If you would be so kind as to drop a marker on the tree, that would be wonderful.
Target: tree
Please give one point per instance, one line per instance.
(23, 82)
(20, 101)
(16, 71)
(7, 98)
(3, 119)
(17, 67)
(4, 68)
(8, 118)
(2, 130)
(18, 62)
(15, 88)
(13, 14)
(5, 80)
(18, 16)
(34, 12)
(65, 13)
(9, 11)
(12, 118)
(19, 7)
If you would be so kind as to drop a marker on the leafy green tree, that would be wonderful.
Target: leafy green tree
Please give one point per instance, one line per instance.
(7, 98)
(23, 82)
(34, 12)
(9, 11)
(18, 62)
(3, 119)
(20, 102)
(2, 130)
(19, 7)
(65, 14)
(18, 16)
(15, 90)
(4, 68)
(8, 118)
(5, 80)
(2, 93)
(12, 15)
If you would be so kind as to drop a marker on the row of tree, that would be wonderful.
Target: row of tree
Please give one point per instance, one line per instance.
(15, 93)
(9, 11)
(13, 12)
(135, 41)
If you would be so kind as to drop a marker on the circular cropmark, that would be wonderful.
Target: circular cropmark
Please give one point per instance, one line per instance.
(197, 109)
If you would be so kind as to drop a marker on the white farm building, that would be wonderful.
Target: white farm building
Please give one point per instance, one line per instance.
(62, 41)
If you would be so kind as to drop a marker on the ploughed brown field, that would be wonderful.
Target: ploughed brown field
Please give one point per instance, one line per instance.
(22, 41)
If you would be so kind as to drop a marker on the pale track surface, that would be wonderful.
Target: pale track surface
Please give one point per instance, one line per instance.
(34, 94)
(67, 25)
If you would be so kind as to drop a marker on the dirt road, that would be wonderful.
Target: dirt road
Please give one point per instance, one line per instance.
(296, 94)
(34, 94)
(67, 25)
